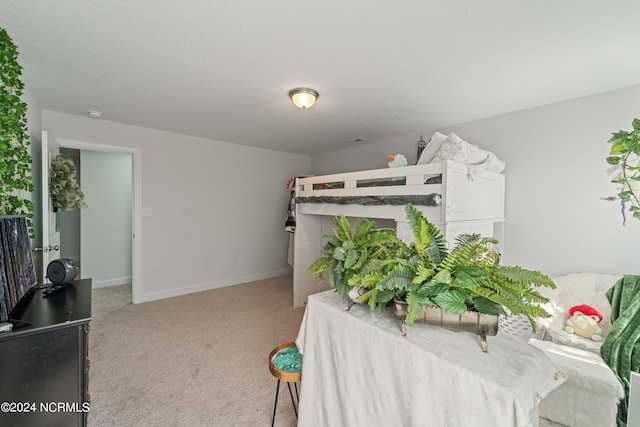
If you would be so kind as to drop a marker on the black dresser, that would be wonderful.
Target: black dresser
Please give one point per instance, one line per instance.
(44, 365)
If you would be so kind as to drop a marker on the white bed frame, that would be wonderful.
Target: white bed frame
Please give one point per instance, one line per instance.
(466, 206)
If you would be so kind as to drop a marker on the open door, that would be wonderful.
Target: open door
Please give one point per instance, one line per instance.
(50, 249)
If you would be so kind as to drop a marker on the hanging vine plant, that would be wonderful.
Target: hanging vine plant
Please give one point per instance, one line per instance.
(625, 155)
(15, 169)
(63, 184)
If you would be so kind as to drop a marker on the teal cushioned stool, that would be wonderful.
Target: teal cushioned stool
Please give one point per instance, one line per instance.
(285, 363)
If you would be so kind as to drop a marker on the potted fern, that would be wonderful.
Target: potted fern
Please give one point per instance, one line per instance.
(468, 278)
(348, 254)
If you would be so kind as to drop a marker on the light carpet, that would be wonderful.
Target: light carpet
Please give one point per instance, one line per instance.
(193, 360)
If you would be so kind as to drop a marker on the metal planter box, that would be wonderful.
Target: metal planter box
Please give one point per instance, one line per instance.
(479, 323)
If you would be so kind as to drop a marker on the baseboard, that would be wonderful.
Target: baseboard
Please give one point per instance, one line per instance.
(111, 282)
(213, 285)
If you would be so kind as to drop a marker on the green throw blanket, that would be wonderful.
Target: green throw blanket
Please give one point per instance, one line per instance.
(621, 347)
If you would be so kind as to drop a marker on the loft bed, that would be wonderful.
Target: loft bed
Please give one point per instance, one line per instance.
(443, 191)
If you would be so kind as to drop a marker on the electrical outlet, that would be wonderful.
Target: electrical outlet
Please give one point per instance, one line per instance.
(147, 211)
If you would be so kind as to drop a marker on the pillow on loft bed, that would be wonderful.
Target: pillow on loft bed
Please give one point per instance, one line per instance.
(433, 146)
(429, 152)
(453, 147)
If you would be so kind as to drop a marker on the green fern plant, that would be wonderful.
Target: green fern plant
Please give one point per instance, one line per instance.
(354, 258)
(425, 272)
(469, 277)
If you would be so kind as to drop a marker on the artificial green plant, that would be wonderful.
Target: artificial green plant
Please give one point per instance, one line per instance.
(468, 277)
(425, 272)
(625, 154)
(15, 167)
(63, 182)
(349, 253)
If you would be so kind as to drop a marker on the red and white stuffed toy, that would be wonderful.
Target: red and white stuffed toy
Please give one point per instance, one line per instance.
(584, 322)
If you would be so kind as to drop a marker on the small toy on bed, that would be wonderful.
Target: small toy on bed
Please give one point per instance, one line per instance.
(397, 161)
(584, 322)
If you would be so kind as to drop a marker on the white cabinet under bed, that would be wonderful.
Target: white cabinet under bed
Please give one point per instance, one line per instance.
(454, 203)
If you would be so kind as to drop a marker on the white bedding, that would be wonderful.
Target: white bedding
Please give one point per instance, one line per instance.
(452, 147)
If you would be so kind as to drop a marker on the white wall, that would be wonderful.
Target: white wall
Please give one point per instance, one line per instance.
(218, 208)
(556, 176)
(105, 225)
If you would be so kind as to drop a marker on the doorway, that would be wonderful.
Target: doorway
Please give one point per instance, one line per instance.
(86, 235)
(101, 254)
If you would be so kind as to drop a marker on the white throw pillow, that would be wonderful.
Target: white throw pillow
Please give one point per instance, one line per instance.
(434, 144)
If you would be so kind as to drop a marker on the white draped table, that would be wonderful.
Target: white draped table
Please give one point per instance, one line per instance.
(358, 370)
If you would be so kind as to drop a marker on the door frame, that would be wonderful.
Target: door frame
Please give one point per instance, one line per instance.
(136, 203)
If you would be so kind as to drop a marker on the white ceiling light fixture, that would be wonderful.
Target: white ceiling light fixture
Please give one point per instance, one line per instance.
(94, 114)
(303, 97)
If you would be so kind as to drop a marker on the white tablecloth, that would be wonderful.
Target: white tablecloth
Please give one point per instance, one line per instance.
(358, 370)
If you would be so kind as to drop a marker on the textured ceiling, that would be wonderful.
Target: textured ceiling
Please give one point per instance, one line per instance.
(223, 69)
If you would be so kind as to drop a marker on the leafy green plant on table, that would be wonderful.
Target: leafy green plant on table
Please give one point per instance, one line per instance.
(15, 167)
(625, 154)
(425, 273)
(469, 277)
(348, 254)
